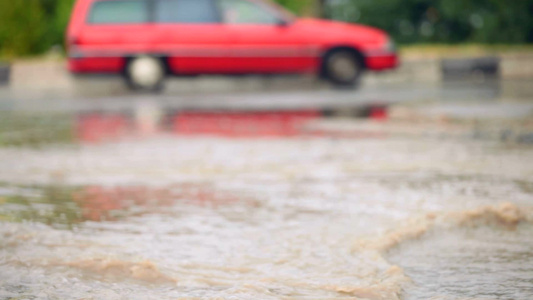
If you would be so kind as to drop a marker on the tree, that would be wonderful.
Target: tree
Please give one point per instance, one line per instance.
(442, 21)
(32, 26)
(21, 27)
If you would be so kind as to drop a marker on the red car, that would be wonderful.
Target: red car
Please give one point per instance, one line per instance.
(147, 40)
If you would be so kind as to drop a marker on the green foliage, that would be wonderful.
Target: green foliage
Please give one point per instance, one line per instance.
(21, 29)
(443, 21)
(32, 26)
(59, 22)
(298, 7)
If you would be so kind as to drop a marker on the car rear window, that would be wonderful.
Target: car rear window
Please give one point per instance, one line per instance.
(185, 11)
(119, 11)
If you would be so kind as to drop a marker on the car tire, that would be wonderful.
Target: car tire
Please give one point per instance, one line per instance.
(145, 73)
(343, 68)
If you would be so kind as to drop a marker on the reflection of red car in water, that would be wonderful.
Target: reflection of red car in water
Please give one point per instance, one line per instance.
(103, 203)
(145, 40)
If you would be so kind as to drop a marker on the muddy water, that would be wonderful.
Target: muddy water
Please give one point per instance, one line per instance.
(273, 218)
(483, 262)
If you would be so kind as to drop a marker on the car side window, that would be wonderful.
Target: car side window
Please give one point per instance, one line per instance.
(246, 12)
(186, 11)
(119, 11)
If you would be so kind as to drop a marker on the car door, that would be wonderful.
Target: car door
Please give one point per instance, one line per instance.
(113, 30)
(264, 41)
(192, 36)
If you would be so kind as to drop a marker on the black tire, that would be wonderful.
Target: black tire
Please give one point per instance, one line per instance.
(145, 73)
(343, 68)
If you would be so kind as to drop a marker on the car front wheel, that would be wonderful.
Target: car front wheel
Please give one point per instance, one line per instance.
(145, 73)
(343, 68)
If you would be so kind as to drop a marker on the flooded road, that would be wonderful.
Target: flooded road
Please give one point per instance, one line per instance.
(184, 217)
(481, 262)
(259, 197)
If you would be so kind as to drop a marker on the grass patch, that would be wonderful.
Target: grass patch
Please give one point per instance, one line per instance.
(35, 130)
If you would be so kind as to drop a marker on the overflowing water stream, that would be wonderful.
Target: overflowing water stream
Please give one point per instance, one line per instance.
(277, 218)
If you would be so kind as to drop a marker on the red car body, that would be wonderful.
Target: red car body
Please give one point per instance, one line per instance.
(291, 46)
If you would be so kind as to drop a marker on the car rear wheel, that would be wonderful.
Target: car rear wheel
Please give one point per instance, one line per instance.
(145, 73)
(343, 68)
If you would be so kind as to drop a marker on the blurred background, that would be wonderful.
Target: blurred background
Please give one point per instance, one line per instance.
(35, 27)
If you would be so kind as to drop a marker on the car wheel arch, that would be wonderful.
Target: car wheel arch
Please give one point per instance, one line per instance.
(357, 53)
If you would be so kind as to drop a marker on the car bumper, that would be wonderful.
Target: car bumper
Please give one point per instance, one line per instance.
(96, 65)
(382, 62)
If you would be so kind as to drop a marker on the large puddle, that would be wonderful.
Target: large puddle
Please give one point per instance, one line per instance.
(298, 218)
